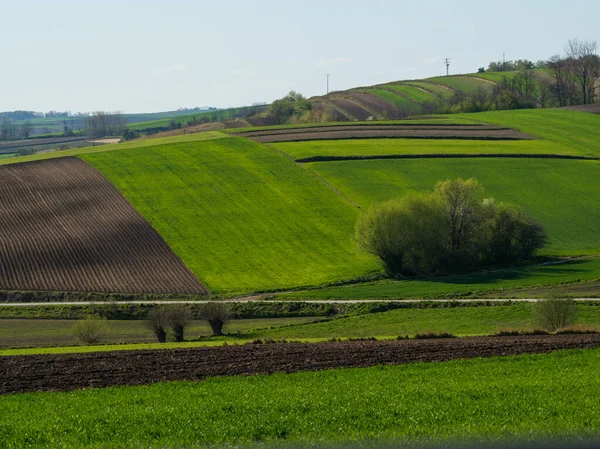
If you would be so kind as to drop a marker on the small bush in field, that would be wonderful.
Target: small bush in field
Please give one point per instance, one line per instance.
(553, 314)
(90, 330)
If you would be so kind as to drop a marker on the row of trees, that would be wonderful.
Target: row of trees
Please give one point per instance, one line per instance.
(452, 229)
(10, 131)
(101, 124)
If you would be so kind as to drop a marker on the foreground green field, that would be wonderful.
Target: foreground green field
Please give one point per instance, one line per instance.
(504, 283)
(561, 194)
(524, 397)
(241, 216)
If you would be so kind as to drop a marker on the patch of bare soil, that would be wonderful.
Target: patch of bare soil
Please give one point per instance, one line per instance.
(322, 107)
(375, 104)
(64, 227)
(102, 369)
(350, 107)
(215, 126)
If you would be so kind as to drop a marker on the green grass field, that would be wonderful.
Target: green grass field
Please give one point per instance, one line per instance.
(482, 284)
(459, 321)
(36, 332)
(241, 216)
(523, 397)
(377, 147)
(432, 87)
(413, 92)
(465, 84)
(561, 194)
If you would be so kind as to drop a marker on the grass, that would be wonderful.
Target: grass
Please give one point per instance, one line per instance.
(465, 84)
(415, 93)
(459, 321)
(432, 87)
(561, 194)
(6, 155)
(580, 132)
(144, 143)
(482, 284)
(377, 147)
(241, 216)
(523, 397)
(36, 332)
(403, 103)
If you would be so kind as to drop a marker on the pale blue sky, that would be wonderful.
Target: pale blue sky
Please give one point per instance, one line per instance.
(143, 56)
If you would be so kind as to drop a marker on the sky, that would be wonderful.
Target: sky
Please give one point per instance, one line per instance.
(149, 56)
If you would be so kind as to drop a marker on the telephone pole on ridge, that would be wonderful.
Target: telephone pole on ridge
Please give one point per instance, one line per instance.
(447, 62)
(328, 83)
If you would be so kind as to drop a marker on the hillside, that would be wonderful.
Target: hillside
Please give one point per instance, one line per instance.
(246, 216)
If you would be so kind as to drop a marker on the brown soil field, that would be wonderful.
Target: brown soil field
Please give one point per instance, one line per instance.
(593, 108)
(64, 227)
(350, 107)
(102, 369)
(320, 106)
(376, 104)
(416, 132)
(368, 127)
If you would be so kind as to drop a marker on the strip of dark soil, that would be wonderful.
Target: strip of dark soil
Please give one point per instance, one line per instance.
(39, 142)
(592, 108)
(102, 369)
(477, 134)
(363, 127)
(443, 156)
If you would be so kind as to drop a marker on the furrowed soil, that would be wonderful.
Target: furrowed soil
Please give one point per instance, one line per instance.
(383, 132)
(73, 371)
(64, 227)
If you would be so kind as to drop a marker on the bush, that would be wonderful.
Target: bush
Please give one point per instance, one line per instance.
(217, 314)
(90, 330)
(553, 314)
(157, 320)
(451, 229)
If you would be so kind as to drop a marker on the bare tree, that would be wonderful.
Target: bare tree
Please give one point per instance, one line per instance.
(216, 314)
(25, 129)
(157, 321)
(597, 90)
(584, 62)
(564, 82)
(101, 124)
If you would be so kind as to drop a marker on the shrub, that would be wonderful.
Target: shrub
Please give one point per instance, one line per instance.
(451, 229)
(157, 320)
(553, 314)
(178, 317)
(217, 314)
(433, 335)
(90, 330)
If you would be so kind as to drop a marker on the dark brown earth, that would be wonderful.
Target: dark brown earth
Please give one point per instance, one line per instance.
(350, 107)
(593, 108)
(326, 108)
(375, 104)
(416, 132)
(64, 227)
(102, 369)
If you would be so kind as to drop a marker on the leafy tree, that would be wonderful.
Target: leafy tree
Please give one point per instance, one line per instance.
(216, 314)
(282, 110)
(157, 320)
(451, 229)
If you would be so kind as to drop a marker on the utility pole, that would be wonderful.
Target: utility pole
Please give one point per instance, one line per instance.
(328, 83)
(447, 62)
(504, 62)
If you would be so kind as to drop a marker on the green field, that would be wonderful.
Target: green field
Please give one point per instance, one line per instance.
(482, 284)
(441, 91)
(415, 93)
(525, 397)
(561, 194)
(403, 103)
(465, 84)
(377, 147)
(36, 332)
(241, 216)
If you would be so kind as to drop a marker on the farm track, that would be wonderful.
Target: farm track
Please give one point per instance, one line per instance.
(416, 132)
(64, 227)
(19, 374)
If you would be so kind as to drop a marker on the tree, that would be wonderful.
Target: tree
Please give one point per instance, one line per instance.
(584, 63)
(216, 314)
(101, 124)
(282, 110)
(597, 90)
(25, 129)
(7, 130)
(451, 229)
(157, 320)
(178, 317)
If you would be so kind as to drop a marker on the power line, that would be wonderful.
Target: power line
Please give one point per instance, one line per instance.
(447, 62)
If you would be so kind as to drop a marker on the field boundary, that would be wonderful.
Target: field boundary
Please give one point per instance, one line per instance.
(445, 156)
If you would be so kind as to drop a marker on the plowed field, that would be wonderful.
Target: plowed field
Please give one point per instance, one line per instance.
(64, 227)
(72, 371)
(474, 132)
